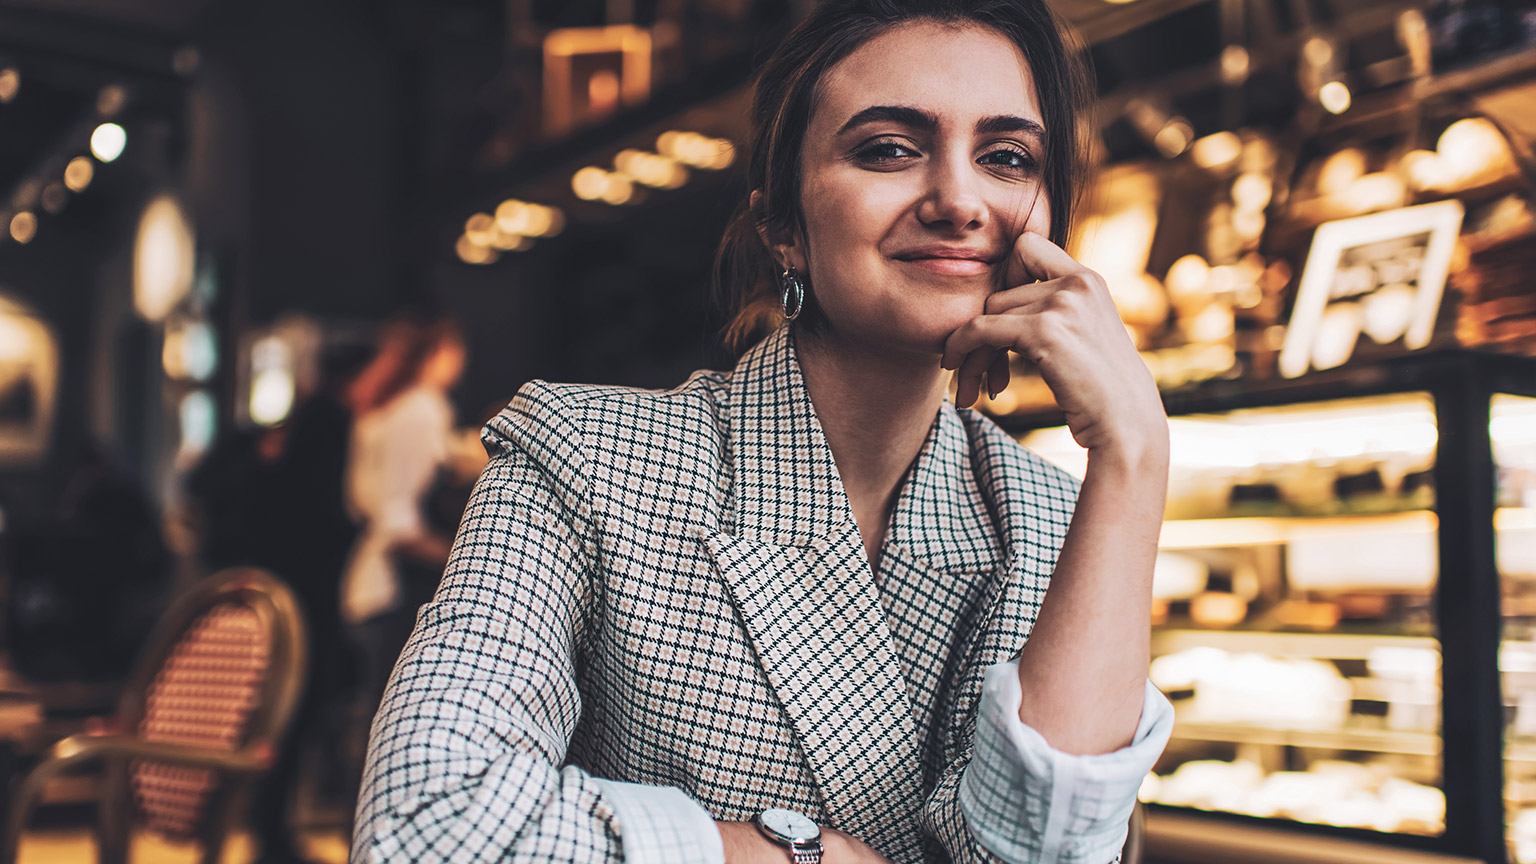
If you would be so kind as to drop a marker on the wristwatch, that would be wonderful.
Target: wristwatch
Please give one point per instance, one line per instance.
(793, 831)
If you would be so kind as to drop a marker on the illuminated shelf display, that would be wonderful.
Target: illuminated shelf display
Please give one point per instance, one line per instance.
(1299, 595)
(1512, 420)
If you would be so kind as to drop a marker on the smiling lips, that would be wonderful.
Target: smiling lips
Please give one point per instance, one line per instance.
(949, 260)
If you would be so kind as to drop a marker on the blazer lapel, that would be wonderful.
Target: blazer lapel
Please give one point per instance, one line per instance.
(937, 567)
(1033, 511)
(794, 563)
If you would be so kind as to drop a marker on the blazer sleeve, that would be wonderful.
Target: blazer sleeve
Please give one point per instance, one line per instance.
(1012, 797)
(465, 756)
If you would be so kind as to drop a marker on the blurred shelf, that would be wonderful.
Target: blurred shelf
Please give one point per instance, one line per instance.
(1332, 646)
(1523, 752)
(1362, 740)
(1175, 835)
(1276, 530)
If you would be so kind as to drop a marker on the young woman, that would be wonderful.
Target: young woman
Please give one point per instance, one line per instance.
(788, 612)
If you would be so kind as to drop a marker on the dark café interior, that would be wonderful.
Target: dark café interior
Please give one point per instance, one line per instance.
(237, 238)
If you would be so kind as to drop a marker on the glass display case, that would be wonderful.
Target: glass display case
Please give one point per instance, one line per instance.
(1513, 429)
(1325, 600)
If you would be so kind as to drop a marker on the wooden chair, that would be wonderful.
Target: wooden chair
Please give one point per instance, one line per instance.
(198, 723)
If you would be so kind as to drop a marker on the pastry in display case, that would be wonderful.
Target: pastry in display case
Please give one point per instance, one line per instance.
(1315, 601)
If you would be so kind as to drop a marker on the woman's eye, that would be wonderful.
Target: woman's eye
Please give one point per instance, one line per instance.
(885, 152)
(1009, 158)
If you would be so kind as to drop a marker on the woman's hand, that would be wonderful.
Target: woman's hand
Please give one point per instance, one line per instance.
(1062, 318)
(745, 844)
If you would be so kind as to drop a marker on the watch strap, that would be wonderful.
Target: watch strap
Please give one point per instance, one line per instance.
(808, 853)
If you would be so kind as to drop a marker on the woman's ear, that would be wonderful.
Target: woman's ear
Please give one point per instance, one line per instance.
(784, 251)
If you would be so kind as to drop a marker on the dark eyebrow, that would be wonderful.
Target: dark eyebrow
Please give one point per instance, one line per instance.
(912, 117)
(921, 120)
(1009, 123)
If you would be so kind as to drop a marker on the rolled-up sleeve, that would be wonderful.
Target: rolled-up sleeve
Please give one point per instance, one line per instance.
(1025, 801)
(662, 825)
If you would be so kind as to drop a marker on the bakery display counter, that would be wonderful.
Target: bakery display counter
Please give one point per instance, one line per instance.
(1325, 605)
(1512, 420)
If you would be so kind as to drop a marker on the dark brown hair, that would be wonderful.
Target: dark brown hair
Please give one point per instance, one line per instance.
(745, 284)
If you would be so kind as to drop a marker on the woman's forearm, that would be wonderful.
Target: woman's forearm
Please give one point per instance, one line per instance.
(1083, 669)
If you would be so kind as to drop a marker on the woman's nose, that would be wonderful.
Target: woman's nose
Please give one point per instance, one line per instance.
(953, 199)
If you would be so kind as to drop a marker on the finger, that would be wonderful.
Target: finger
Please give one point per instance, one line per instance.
(1036, 259)
(1009, 331)
(968, 388)
(1021, 295)
(998, 375)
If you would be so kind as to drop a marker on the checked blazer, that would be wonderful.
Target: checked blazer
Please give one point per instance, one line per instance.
(668, 588)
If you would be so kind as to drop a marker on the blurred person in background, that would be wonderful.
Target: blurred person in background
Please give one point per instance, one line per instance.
(401, 440)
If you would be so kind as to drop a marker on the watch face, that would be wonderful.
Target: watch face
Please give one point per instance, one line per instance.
(792, 826)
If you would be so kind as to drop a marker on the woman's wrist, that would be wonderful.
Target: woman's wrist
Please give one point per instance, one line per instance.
(1141, 456)
(745, 844)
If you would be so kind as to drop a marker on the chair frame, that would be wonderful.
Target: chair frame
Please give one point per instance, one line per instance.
(118, 743)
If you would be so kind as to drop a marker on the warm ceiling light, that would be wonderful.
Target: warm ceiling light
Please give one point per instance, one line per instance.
(1234, 64)
(652, 169)
(78, 173)
(1174, 138)
(697, 150)
(725, 154)
(471, 252)
(513, 216)
(1334, 97)
(10, 83)
(107, 141)
(544, 221)
(478, 228)
(589, 183)
(617, 189)
(1318, 51)
(1217, 150)
(23, 227)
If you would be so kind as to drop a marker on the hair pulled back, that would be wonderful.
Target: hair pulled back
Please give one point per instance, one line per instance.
(785, 90)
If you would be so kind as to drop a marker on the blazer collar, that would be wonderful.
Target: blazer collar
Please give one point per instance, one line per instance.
(787, 489)
(943, 518)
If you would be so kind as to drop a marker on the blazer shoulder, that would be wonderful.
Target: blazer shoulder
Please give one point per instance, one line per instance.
(559, 423)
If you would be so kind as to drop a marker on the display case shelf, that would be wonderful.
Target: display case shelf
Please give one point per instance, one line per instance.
(1353, 739)
(1349, 583)
(1334, 646)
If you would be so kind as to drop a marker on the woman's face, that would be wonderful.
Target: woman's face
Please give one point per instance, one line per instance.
(919, 170)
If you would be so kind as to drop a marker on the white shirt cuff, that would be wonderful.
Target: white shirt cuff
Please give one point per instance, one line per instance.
(661, 824)
(1026, 801)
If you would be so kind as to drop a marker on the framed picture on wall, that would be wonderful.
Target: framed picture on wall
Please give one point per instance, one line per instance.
(1379, 277)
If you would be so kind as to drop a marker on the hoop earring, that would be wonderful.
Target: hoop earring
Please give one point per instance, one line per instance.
(791, 293)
